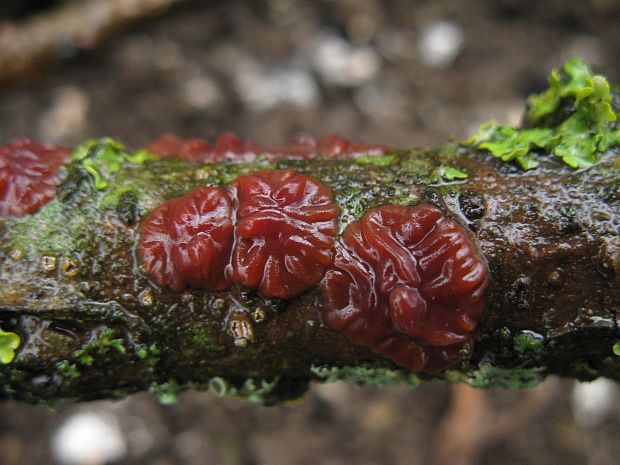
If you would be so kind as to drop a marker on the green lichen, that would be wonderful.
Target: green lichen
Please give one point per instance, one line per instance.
(149, 354)
(260, 392)
(574, 81)
(449, 173)
(9, 342)
(529, 344)
(68, 370)
(490, 376)
(101, 345)
(101, 158)
(167, 393)
(508, 143)
(573, 119)
(365, 375)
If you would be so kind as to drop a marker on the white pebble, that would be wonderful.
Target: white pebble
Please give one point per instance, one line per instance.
(89, 438)
(440, 43)
(201, 92)
(262, 90)
(593, 402)
(342, 63)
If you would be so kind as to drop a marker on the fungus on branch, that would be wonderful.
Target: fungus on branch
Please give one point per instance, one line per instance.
(408, 283)
(188, 241)
(230, 148)
(29, 174)
(285, 231)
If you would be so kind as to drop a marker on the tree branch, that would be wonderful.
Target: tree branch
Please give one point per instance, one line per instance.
(87, 322)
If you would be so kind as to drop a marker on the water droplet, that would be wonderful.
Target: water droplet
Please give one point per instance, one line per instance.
(48, 263)
(146, 297)
(127, 297)
(555, 277)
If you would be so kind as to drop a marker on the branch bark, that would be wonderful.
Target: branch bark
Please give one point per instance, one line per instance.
(92, 325)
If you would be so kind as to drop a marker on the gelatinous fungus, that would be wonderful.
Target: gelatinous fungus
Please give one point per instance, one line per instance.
(188, 241)
(29, 175)
(408, 283)
(285, 232)
(226, 147)
(229, 147)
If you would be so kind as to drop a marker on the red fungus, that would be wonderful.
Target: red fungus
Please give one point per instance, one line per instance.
(408, 283)
(167, 145)
(286, 225)
(28, 175)
(188, 241)
(228, 147)
(156, 247)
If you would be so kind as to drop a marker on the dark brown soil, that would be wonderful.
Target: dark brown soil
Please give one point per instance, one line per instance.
(255, 68)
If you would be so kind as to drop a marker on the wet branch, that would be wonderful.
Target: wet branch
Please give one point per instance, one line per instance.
(92, 325)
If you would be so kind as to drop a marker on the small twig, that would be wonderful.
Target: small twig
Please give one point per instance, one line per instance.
(470, 427)
(51, 36)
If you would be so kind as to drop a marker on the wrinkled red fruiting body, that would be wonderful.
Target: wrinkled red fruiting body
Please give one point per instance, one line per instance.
(156, 247)
(408, 283)
(28, 175)
(167, 145)
(188, 241)
(228, 147)
(286, 226)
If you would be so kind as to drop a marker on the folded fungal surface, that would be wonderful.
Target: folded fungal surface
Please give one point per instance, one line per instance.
(228, 147)
(188, 241)
(408, 283)
(286, 224)
(29, 174)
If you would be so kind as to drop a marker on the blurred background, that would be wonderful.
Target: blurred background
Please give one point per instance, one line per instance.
(403, 73)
